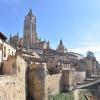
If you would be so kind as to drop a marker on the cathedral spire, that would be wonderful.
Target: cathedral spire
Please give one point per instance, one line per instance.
(30, 13)
(61, 42)
(30, 35)
(10, 38)
(17, 35)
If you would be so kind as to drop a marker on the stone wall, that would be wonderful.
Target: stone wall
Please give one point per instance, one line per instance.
(8, 50)
(90, 67)
(37, 81)
(80, 76)
(54, 84)
(9, 66)
(41, 84)
(12, 88)
(69, 79)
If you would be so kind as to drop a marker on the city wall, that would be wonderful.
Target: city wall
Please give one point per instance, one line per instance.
(12, 88)
(54, 84)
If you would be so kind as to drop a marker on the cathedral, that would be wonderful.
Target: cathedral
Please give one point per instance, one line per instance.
(30, 39)
(30, 35)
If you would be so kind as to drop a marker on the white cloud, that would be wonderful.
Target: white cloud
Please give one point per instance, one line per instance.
(85, 49)
(88, 44)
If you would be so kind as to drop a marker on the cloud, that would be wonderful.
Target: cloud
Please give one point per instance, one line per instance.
(88, 43)
(87, 48)
(83, 50)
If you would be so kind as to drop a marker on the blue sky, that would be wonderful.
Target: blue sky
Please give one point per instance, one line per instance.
(76, 22)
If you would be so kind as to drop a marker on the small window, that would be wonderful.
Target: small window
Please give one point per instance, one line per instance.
(14, 69)
(51, 61)
(4, 51)
(0, 46)
(56, 66)
(9, 52)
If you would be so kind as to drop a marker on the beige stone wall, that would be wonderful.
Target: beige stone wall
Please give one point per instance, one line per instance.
(54, 84)
(90, 67)
(37, 81)
(9, 50)
(52, 63)
(69, 79)
(11, 88)
(41, 84)
(7, 65)
(80, 76)
(21, 74)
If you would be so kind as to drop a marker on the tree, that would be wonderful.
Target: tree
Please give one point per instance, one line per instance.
(90, 54)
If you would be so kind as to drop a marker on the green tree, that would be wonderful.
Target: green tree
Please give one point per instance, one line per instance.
(90, 54)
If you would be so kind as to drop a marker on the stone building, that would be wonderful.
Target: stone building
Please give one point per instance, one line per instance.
(43, 84)
(91, 66)
(30, 35)
(61, 47)
(30, 39)
(6, 49)
(13, 80)
(69, 79)
(2, 40)
(37, 81)
(16, 41)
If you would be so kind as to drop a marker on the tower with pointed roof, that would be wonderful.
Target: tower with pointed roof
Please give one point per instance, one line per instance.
(61, 47)
(30, 36)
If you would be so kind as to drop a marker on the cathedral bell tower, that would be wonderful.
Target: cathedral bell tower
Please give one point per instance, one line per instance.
(30, 35)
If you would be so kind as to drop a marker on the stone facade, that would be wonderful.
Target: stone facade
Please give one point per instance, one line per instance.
(8, 50)
(16, 41)
(12, 88)
(5, 50)
(15, 82)
(61, 47)
(2, 39)
(54, 84)
(30, 35)
(37, 85)
(91, 65)
(43, 85)
(69, 79)
(80, 76)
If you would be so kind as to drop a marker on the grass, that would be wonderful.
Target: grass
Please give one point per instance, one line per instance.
(67, 96)
(63, 96)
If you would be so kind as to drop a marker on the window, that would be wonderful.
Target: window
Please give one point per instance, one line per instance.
(4, 51)
(0, 46)
(14, 69)
(51, 61)
(9, 52)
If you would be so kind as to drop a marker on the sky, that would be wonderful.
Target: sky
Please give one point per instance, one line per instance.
(76, 22)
